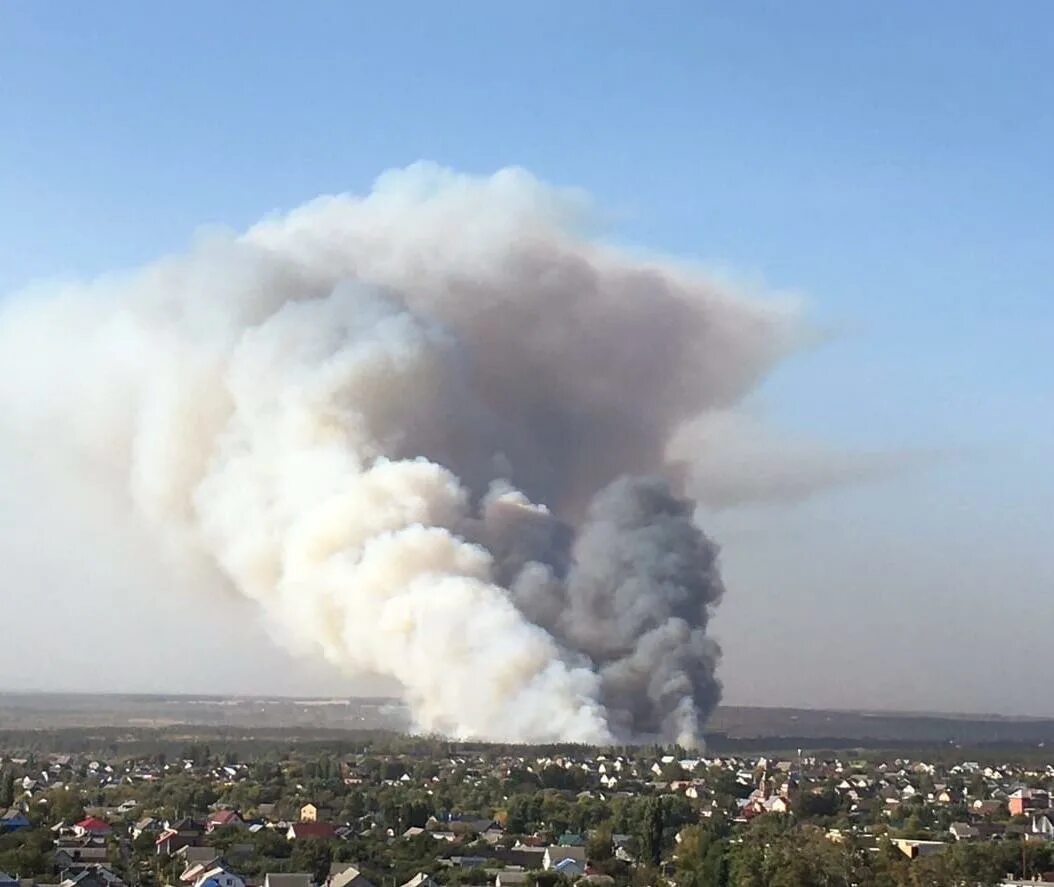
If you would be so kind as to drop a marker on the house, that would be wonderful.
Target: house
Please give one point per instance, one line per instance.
(309, 813)
(95, 876)
(522, 857)
(776, 804)
(915, 849)
(570, 868)
(219, 876)
(963, 831)
(300, 830)
(344, 874)
(556, 854)
(170, 841)
(986, 807)
(193, 872)
(127, 806)
(176, 835)
(467, 862)
(506, 878)
(69, 858)
(1025, 799)
(421, 880)
(193, 855)
(13, 820)
(145, 825)
(1042, 825)
(470, 826)
(223, 819)
(92, 827)
(293, 879)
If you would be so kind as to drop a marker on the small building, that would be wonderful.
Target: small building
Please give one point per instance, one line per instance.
(1042, 825)
(146, 825)
(963, 831)
(94, 876)
(224, 819)
(73, 857)
(1025, 799)
(92, 827)
(300, 830)
(421, 879)
(556, 854)
(915, 849)
(13, 820)
(343, 874)
(219, 876)
(570, 868)
(292, 879)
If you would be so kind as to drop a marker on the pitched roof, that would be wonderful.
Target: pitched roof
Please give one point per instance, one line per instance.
(291, 879)
(565, 864)
(83, 854)
(198, 854)
(94, 824)
(421, 879)
(558, 853)
(312, 830)
(349, 877)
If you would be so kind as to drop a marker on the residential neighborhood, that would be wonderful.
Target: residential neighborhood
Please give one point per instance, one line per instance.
(423, 813)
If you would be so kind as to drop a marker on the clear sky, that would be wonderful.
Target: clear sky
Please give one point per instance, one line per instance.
(891, 163)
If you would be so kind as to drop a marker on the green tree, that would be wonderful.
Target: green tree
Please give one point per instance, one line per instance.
(651, 831)
(7, 788)
(600, 846)
(810, 805)
(312, 855)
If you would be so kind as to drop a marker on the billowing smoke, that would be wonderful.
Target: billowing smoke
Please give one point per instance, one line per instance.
(410, 426)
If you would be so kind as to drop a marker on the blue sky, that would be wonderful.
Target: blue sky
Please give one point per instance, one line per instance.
(891, 163)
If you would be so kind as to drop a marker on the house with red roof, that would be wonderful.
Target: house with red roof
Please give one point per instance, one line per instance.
(300, 830)
(92, 827)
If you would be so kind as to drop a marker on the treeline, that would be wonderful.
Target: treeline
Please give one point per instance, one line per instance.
(783, 852)
(124, 742)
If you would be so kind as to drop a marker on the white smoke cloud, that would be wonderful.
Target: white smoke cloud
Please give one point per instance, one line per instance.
(378, 416)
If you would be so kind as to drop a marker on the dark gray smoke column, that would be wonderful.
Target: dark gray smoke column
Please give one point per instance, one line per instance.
(634, 595)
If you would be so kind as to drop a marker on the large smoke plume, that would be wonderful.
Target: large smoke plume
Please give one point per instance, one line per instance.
(425, 431)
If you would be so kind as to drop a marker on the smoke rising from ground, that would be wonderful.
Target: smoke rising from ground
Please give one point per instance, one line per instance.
(410, 426)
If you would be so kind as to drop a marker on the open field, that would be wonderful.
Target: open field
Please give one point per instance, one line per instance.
(730, 728)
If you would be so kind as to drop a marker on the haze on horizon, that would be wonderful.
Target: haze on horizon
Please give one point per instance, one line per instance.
(882, 501)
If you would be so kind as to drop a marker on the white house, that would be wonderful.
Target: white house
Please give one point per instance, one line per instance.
(219, 876)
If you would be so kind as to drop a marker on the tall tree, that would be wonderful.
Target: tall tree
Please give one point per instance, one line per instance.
(651, 831)
(7, 788)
